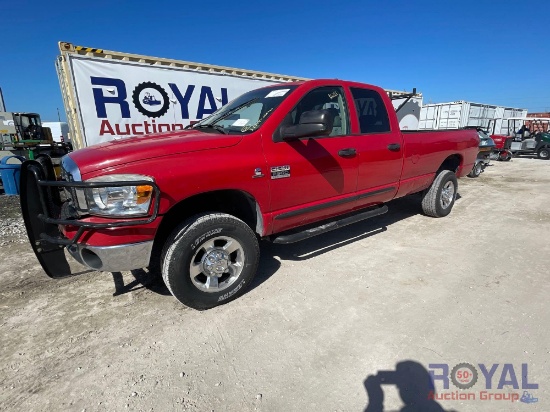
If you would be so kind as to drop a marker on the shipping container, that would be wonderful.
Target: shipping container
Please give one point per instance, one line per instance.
(456, 115)
(109, 95)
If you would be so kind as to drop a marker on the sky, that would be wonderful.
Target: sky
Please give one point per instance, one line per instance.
(493, 52)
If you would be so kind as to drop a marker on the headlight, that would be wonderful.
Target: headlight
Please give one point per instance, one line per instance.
(119, 201)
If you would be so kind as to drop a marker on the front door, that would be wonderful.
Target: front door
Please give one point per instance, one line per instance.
(313, 178)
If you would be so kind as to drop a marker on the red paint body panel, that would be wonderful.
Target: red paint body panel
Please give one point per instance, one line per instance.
(500, 141)
(139, 148)
(115, 236)
(321, 183)
(425, 151)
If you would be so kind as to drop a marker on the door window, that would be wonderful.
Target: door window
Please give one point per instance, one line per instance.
(330, 98)
(371, 111)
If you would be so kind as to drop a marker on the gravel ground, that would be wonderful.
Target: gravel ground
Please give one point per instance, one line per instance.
(324, 320)
(12, 228)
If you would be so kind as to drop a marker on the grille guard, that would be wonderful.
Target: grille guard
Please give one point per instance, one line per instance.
(40, 204)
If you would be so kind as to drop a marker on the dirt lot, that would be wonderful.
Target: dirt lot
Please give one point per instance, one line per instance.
(322, 316)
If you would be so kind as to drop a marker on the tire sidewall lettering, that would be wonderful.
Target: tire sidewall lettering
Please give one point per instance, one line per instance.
(200, 240)
(227, 295)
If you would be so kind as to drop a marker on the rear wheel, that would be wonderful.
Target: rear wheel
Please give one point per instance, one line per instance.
(209, 260)
(476, 170)
(439, 199)
(544, 153)
(505, 156)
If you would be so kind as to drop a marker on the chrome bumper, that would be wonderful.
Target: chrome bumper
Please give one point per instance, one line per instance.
(113, 258)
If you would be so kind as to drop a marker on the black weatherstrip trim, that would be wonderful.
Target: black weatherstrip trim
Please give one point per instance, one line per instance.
(315, 208)
(333, 203)
(375, 192)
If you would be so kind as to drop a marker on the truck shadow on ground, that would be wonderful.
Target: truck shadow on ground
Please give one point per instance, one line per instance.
(143, 278)
(413, 383)
(398, 210)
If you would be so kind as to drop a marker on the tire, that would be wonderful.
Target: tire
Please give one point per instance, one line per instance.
(544, 153)
(439, 199)
(476, 170)
(217, 244)
(505, 157)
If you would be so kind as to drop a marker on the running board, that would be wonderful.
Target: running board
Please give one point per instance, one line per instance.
(327, 227)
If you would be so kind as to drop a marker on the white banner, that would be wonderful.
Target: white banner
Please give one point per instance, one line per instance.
(120, 99)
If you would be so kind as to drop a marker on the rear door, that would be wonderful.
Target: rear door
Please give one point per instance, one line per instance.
(379, 147)
(312, 178)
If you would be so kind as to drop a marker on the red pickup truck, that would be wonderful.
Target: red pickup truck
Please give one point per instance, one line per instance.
(282, 163)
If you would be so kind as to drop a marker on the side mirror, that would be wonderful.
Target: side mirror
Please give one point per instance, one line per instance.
(312, 123)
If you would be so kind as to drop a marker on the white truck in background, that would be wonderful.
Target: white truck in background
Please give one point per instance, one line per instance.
(109, 95)
(59, 130)
(460, 114)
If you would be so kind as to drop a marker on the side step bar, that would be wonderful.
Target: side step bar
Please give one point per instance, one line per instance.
(327, 227)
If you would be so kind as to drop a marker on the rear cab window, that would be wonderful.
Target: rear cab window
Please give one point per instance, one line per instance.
(371, 111)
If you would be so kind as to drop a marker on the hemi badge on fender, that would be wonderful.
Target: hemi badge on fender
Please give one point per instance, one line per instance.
(280, 172)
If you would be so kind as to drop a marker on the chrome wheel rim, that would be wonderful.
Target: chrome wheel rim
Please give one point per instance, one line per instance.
(217, 264)
(544, 153)
(478, 169)
(447, 194)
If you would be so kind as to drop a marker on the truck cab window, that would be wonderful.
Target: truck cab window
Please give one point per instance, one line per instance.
(329, 98)
(371, 111)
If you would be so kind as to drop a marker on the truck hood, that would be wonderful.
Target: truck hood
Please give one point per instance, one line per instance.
(138, 148)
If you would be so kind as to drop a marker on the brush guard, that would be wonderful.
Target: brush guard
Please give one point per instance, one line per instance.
(42, 206)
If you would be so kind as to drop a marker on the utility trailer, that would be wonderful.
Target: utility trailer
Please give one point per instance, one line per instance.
(110, 95)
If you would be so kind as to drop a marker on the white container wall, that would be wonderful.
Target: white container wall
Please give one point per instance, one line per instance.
(461, 114)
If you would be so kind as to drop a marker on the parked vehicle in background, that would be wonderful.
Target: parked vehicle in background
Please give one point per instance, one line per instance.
(519, 139)
(22, 127)
(23, 134)
(486, 148)
(281, 163)
(59, 131)
(109, 95)
(502, 150)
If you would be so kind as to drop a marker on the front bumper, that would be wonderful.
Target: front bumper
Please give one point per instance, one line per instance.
(42, 208)
(113, 258)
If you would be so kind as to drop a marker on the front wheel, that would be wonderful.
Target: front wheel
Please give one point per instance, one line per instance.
(544, 153)
(209, 260)
(439, 199)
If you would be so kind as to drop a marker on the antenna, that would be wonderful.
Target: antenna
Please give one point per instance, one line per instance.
(2, 104)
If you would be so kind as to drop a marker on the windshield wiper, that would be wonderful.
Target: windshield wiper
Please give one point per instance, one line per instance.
(211, 126)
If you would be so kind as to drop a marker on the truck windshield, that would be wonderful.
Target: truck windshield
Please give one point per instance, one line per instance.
(246, 113)
(30, 120)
